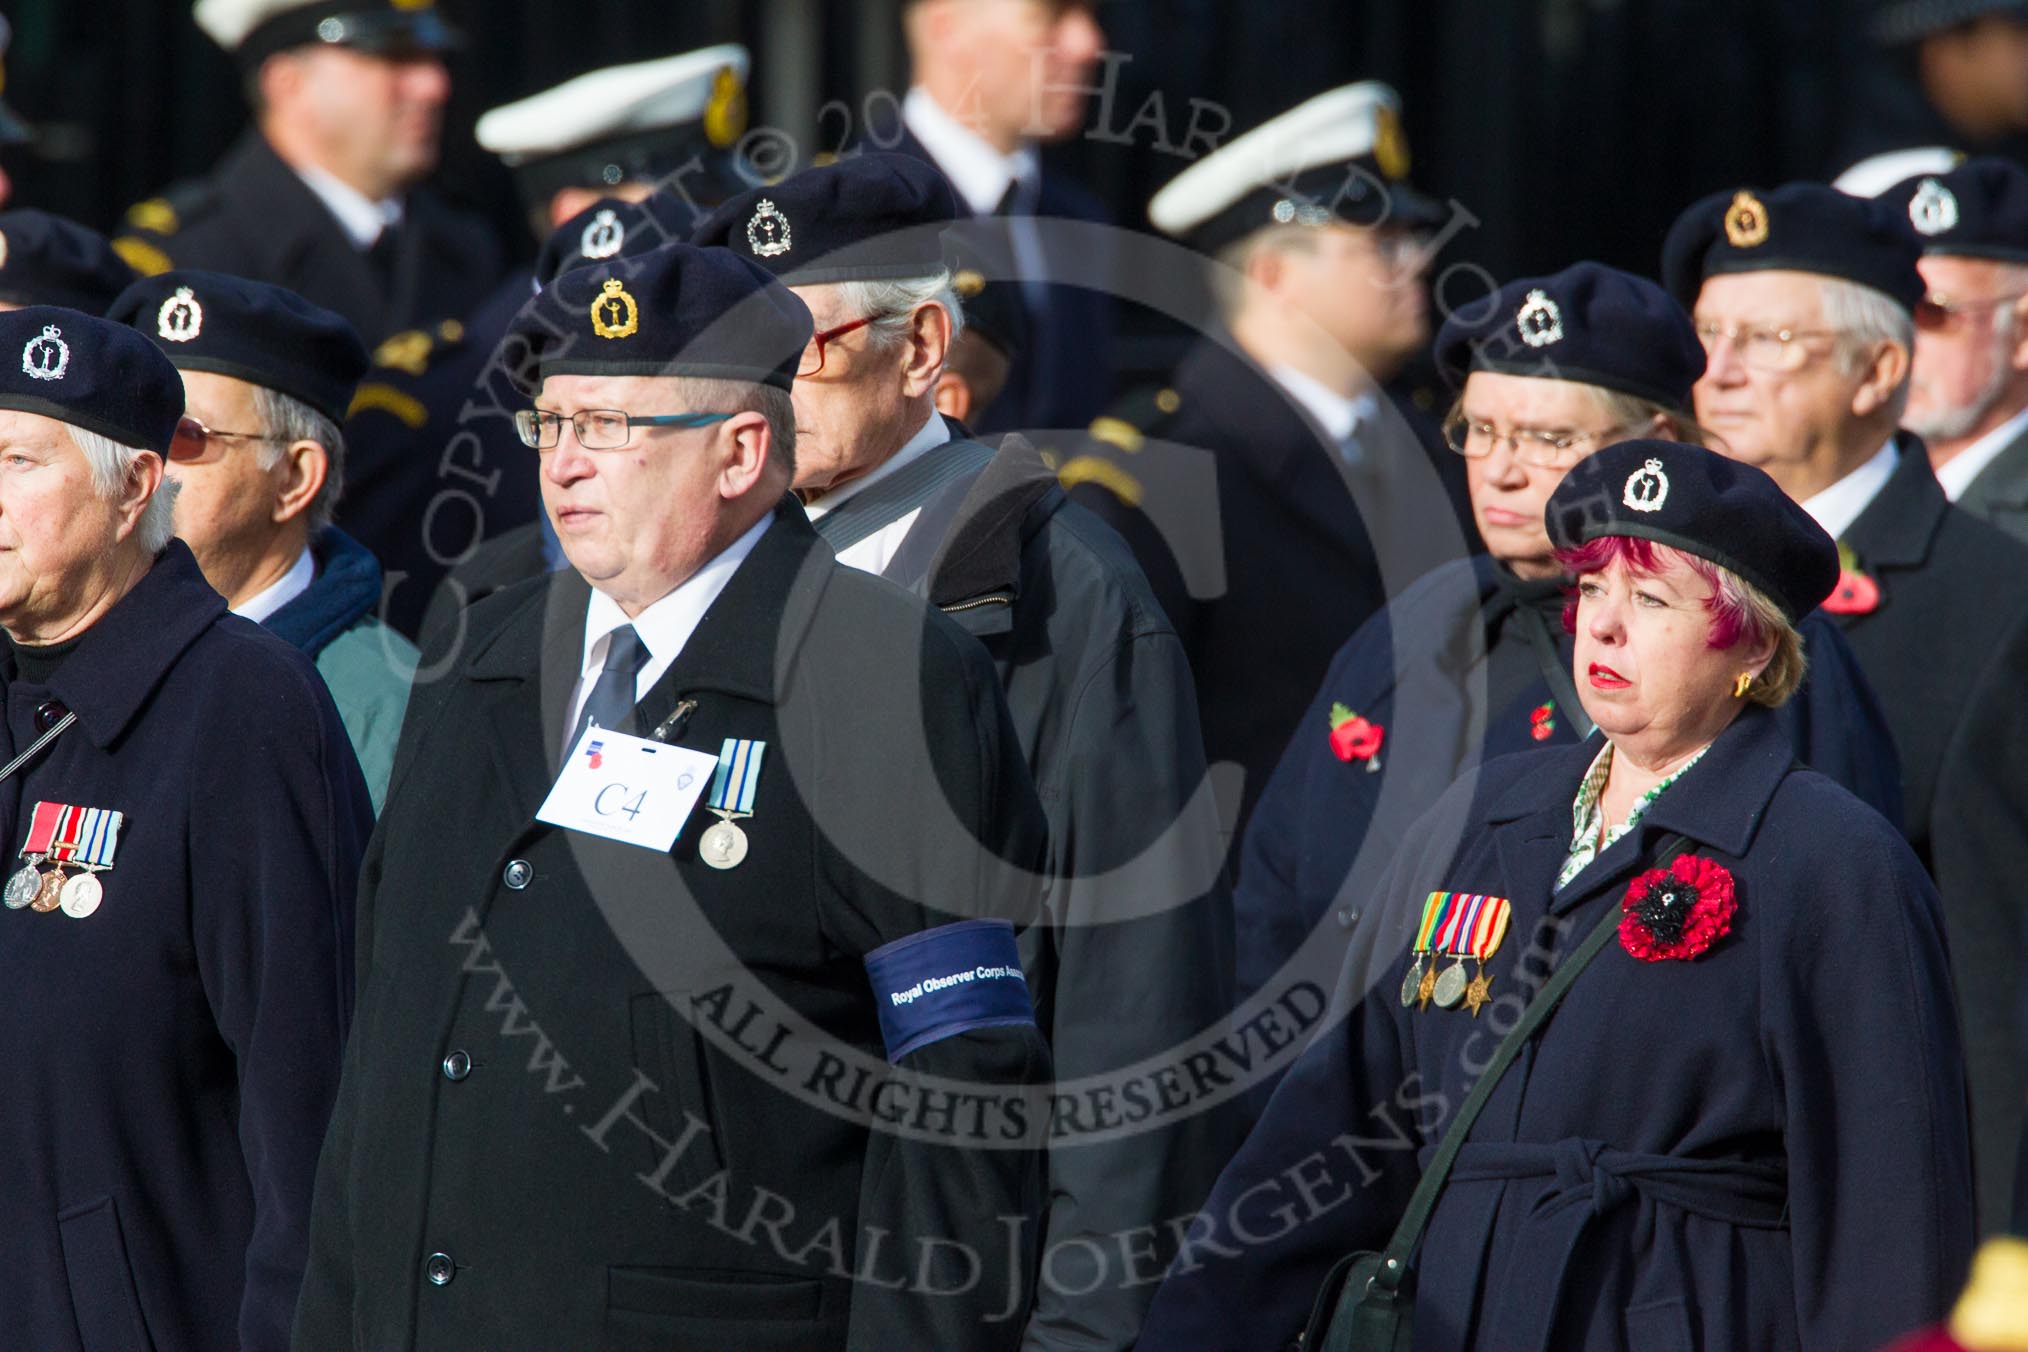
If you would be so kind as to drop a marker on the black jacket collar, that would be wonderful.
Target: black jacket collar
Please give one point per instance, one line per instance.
(125, 656)
(1898, 527)
(1003, 509)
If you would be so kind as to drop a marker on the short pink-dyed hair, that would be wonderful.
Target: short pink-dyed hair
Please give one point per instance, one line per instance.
(1734, 616)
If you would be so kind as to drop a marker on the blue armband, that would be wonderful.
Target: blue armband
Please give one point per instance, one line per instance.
(946, 981)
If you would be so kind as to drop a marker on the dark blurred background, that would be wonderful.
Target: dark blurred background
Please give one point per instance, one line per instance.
(1567, 128)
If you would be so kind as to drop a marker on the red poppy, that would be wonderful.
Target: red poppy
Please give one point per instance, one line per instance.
(1354, 738)
(1677, 912)
(1856, 593)
(1542, 722)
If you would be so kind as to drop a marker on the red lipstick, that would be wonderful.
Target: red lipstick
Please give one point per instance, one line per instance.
(1605, 678)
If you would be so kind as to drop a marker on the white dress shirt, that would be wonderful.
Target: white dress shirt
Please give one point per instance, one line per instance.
(979, 172)
(361, 217)
(663, 627)
(262, 605)
(1338, 415)
(876, 551)
(1838, 506)
(1956, 474)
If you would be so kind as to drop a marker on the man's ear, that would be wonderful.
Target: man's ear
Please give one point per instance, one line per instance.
(927, 349)
(1886, 373)
(743, 445)
(307, 465)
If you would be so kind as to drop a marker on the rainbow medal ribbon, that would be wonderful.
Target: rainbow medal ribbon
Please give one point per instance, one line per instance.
(1420, 982)
(732, 792)
(1474, 929)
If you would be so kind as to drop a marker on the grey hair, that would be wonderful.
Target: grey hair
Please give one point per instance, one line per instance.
(1633, 412)
(286, 419)
(111, 464)
(701, 395)
(896, 300)
(1863, 319)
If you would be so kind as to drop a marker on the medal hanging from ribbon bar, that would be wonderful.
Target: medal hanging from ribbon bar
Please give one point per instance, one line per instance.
(64, 836)
(26, 883)
(732, 796)
(1452, 941)
(1482, 939)
(98, 836)
(1420, 982)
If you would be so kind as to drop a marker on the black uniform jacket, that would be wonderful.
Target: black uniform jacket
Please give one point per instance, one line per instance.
(1734, 1150)
(1469, 664)
(1135, 956)
(254, 217)
(169, 1062)
(604, 1097)
(1946, 647)
(1265, 549)
(1999, 492)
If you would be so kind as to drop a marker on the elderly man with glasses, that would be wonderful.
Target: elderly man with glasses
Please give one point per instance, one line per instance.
(1807, 300)
(259, 462)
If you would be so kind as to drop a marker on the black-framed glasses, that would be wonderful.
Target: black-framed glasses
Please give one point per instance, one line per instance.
(1537, 447)
(598, 429)
(813, 355)
(194, 443)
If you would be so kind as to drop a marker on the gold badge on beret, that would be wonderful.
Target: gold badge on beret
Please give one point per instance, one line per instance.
(1745, 221)
(614, 313)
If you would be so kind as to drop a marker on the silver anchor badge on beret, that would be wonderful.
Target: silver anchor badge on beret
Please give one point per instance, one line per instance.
(603, 236)
(47, 356)
(181, 318)
(1647, 488)
(1933, 209)
(767, 234)
(1539, 320)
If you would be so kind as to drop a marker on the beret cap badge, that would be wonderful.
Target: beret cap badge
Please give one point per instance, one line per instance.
(1539, 320)
(1745, 221)
(1933, 209)
(767, 233)
(1647, 488)
(181, 318)
(604, 235)
(614, 313)
(46, 356)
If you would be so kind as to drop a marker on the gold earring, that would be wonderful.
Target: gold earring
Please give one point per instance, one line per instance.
(1739, 687)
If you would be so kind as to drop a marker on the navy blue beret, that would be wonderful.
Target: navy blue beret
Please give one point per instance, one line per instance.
(673, 311)
(1702, 503)
(1587, 323)
(1799, 227)
(871, 217)
(1899, 23)
(615, 228)
(1977, 210)
(262, 334)
(91, 372)
(47, 260)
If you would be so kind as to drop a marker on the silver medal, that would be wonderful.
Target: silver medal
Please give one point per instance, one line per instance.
(1412, 983)
(22, 887)
(82, 895)
(1450, 984)
(723, 846)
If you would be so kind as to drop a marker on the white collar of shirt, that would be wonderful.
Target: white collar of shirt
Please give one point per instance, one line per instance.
(933, 434)
(361, 217)
(1838, 506)
(262, 605)
(980, 173)
(1956, 474)
(663, 627)
(1336, 414)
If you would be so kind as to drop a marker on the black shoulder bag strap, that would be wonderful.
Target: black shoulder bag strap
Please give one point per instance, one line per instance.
(1367, 1303)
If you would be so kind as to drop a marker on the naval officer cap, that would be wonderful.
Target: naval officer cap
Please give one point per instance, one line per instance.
(614, 228)
(1978, 209)
(254, 30)
(1588, 323)
(47, 260)
(252, 331)
(673, 311)
(645, 121)
(91, 373)
(1340, 156)
(1702, 503)
(1799, 227)
(876, 216)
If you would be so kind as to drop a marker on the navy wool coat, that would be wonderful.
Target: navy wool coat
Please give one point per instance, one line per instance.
(1763, 1147)
(168, 1063)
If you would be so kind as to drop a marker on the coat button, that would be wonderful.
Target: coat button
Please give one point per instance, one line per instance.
(1347, 917)
(518, 874)
(48, 714)
(440, 1269)
(457, 1065)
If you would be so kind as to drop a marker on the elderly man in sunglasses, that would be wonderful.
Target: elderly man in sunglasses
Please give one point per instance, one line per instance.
(259, 462)
(1807, 301)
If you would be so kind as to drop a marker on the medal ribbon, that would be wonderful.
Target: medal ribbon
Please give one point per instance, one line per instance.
(738, 776)
(1491, 927)
(69, 827)
(42, 828)
(98, 836)
(1434, 912)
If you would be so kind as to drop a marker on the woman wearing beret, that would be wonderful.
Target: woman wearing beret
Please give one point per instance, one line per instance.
(1744, 1125)
(183, 821)
(1471, 662)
